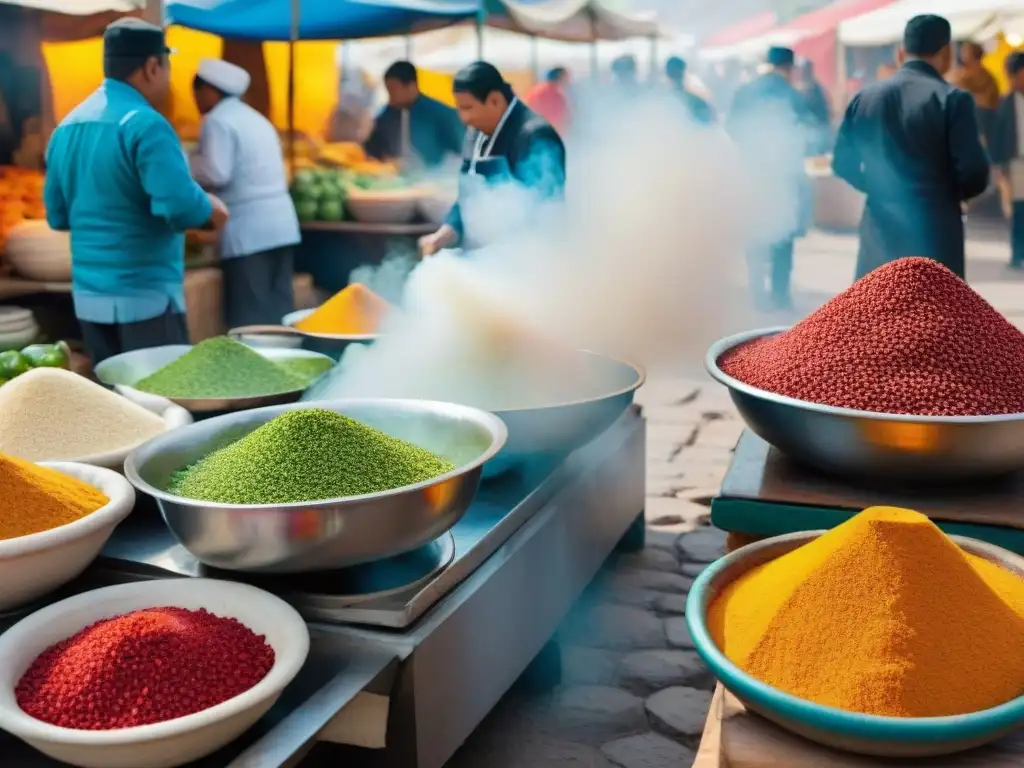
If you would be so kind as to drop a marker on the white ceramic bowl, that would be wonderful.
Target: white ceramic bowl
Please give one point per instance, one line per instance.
(33, 565)
(19, 339)
(174, 416)
(173, 742)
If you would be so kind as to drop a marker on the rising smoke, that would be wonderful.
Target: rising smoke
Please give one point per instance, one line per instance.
(645, 262)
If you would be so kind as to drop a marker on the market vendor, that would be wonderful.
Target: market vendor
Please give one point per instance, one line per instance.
(505, 142)
(413, 128)
(239, 156)
(911, 143)
(118, 181)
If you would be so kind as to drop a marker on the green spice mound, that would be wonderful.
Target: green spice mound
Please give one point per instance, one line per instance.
(307, 455)
(309, 369)
(220, 367)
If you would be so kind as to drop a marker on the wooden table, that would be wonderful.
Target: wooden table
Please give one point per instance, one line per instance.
(330, 250)
(734, 738)
(415, 229)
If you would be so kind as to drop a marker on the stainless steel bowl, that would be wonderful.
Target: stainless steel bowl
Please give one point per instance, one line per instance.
(334, 533)
(330, 344)
(562, 427)
(125, 370)
(874, 446)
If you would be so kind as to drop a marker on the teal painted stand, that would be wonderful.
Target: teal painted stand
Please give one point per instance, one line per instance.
(764, 494)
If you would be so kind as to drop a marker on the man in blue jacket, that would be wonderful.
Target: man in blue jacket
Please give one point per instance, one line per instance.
(118, 180)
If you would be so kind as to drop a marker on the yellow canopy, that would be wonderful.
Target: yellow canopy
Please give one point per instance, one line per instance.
(995, 61)
(76, 69)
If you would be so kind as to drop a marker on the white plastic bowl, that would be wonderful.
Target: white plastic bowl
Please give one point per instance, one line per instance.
(33, 565)
(174, 416)
(173, 742)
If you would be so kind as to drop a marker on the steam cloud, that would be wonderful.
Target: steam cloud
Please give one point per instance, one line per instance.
(644, 262)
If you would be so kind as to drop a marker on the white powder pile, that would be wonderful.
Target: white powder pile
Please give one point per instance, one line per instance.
(50, 414)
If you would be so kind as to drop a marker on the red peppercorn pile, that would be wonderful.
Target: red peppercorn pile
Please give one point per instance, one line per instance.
(909, 338)
(142, 668)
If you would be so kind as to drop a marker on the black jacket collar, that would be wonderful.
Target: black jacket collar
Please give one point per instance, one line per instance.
(923, 67)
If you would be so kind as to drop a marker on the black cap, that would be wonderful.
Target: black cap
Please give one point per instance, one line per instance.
(780, 57)
(133, 38)
(926, 35)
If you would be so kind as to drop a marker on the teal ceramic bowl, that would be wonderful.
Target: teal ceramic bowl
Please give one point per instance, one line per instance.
(850, 731)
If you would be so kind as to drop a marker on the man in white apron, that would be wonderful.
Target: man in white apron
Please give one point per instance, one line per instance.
(239, 156)
(508, 147)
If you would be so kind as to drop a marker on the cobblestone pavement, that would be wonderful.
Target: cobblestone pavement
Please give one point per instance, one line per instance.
(633, 693)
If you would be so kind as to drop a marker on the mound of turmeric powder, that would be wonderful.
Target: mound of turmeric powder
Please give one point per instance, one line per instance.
(883, 615)
(353, 311)
(35, 498)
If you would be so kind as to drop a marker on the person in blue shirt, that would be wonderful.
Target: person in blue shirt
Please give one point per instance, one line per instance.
(117, 179)
(413, 129)
(699, 111)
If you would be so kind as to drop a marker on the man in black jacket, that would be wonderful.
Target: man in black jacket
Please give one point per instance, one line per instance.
(1007, 150)
(912, 144)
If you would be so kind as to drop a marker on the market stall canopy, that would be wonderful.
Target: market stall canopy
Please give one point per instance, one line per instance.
(79, 7)
(977, 19)
(318, 19)
(514, 52)
(751, 26)
(822, 22)
(569, 20)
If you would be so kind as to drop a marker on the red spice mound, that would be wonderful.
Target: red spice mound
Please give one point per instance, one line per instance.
(909, 338)
(142, 668)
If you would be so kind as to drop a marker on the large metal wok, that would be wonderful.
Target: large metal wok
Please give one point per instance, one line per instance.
(561, 427)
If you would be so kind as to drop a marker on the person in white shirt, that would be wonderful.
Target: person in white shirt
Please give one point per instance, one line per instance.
(239, 157)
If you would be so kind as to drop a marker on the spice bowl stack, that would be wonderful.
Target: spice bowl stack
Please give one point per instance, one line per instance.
(143, 622)
(882, 637)
(35, 564)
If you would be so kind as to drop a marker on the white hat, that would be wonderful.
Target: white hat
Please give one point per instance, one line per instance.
(231, 79)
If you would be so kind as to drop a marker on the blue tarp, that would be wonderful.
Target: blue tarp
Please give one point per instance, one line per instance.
(575, 20)
(318, 19)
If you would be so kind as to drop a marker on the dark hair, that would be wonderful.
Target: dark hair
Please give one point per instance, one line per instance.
(675, 69)
(926, 35)
(198, 82)
(123, 67)
(480, 80)
(402, 71)
(555, 74)
(1014, 63)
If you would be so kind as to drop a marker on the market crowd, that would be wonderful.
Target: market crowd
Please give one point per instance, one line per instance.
(118, 181)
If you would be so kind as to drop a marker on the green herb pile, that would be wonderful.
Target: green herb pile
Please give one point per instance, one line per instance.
(309, 369)
(307, 455)
(221, 367)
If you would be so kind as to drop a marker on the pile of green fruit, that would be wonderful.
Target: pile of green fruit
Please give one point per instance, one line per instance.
(14, 363)
(319, 194)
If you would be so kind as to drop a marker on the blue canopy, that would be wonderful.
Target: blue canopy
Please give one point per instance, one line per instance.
(318, 19)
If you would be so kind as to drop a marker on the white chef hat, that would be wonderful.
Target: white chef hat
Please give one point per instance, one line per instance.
(231, 79)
